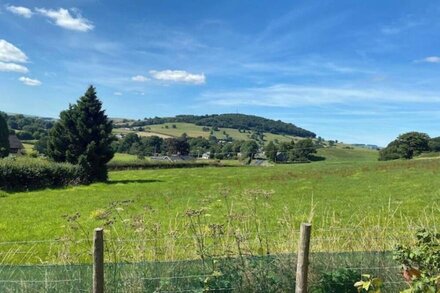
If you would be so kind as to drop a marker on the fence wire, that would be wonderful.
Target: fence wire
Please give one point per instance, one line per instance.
(246, 261)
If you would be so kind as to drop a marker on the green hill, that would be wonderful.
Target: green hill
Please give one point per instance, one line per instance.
(235, 121)
(192, 130)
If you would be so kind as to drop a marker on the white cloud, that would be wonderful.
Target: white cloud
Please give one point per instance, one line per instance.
(10, 53)
(12, 67)
(432, 59)
(117, 93)
(288, 95)
(20, 10)
(178, 76)
(140, 78)
(30, 82)
(64, 19)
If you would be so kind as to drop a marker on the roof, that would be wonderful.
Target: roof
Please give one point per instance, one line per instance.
(14, 142)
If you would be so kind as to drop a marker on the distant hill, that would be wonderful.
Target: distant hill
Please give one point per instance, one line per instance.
(235, 121)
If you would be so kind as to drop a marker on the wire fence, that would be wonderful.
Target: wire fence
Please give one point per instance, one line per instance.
(239, 261)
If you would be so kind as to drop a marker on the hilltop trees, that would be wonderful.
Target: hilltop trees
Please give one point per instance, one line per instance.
(83, 136)
(237, 121)
(406, 146)
(4, 137)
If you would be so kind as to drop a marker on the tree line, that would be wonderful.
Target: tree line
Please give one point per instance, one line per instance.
(184, 145)
(27, 127)
(301, 151)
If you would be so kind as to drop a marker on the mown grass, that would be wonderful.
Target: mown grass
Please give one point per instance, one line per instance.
(360, 193)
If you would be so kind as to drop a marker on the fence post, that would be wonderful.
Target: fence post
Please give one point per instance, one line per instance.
(98, 261)
(302, 266)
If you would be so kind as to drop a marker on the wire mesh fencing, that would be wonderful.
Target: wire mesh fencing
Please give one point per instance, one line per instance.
(240, 261)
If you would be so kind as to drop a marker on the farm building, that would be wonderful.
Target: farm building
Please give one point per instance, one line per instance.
(15, 145)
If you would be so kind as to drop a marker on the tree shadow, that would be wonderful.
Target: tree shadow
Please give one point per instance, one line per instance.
(315, 158)
(128, 181)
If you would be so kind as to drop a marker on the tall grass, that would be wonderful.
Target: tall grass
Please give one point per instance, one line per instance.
(239, 252)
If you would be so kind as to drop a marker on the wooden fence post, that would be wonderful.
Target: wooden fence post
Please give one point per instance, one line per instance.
(98, 261)
(302, 266)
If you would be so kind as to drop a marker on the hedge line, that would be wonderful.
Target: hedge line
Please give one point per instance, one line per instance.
(26, 173)
(144, 164)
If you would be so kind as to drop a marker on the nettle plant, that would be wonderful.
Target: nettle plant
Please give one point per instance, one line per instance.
(421, 262)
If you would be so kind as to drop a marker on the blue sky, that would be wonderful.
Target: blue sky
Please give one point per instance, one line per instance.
(357, 71)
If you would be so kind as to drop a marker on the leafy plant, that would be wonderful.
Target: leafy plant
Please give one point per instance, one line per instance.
(368, 283)
(337, 281)
(421, 262)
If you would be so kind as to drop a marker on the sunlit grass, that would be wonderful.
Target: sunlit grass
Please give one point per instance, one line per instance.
(390, 196)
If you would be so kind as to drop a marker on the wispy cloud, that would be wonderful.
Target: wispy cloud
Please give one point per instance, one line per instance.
(117, 93)
(10, 53)
(402, 25)
(63, 18)
(29, 81)
(178, 76)
(140, 78)
(20, 10)
(13, 67)
(431, 59)
(287, 95)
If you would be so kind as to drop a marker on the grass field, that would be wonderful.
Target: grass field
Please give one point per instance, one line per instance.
(350, 189)
(193, 130)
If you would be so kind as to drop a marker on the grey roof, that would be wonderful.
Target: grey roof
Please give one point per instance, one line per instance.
(14, 142)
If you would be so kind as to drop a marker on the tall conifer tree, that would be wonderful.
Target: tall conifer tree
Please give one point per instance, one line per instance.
(83, 136)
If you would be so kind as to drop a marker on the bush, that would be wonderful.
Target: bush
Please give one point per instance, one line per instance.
(338, 281)
(25, 174)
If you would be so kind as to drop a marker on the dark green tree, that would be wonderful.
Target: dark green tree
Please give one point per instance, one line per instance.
(406, 146)
(179, 146)
(83, 136)
(271, 151)
(4, 137)
(249, 149)
(152, 145)
(434, 144)
(125, 144)
(302, 151)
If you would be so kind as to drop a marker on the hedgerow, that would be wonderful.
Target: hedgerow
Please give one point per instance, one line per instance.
(144, 164)
(26, 173)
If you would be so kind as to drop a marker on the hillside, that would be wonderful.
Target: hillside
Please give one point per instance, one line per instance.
(235, 121)
(192, 130)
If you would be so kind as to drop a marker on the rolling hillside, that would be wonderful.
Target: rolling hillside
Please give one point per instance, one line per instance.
(167, 130)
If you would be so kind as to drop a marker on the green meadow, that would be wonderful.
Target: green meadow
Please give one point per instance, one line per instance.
(349, 189)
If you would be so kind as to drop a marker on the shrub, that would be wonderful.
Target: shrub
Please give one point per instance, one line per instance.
(26, 173)
(338, 281)
(421, 262)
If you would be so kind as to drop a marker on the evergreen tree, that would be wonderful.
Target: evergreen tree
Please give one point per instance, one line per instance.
(83, 136)
(4, 137)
